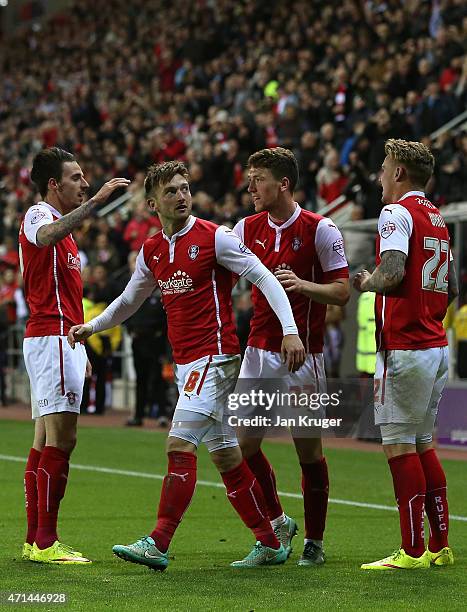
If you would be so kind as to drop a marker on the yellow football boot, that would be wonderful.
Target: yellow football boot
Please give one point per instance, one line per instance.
(399, 560)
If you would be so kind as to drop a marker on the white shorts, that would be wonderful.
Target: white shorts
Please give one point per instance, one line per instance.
(205, 384)
(258, 363)
(263, 371)
(56, 374)
(408, 386)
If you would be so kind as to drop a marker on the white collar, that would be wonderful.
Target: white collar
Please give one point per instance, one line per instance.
(289, 221)
(412, 193)
(53, 210)
(185, 229)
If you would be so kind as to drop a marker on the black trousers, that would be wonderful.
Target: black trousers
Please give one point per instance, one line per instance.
(100, 366)
(151, 388)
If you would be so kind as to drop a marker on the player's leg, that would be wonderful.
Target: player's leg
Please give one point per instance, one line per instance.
(245, 495)
(315, 489)
(176, 494)
(52, 473)
(400, 403)
(436, 501)
(57, 376)
(260, 365)
(30, 485)
(315, 478)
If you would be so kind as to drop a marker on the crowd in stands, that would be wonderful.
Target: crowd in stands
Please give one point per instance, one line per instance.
(124, 84)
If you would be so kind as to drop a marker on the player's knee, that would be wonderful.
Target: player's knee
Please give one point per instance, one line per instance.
(249, 446)
(177, 445)
(227, 459)
(309, 450)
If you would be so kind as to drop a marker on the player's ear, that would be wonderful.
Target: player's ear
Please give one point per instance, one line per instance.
(53, 184)
(285, 184)
(400, 173)
(152, 204)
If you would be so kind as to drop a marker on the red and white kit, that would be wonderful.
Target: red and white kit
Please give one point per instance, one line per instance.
(53, 291)
(193, 270)
(312, 246)
(412, 358)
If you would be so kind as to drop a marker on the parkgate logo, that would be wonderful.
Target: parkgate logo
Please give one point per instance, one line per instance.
(179, 282)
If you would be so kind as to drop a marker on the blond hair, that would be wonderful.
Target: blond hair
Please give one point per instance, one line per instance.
(161, 174)
(416, 157)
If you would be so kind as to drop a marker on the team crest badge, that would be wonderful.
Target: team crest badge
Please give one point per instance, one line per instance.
(193, 251)
(387, 229)
(296, 243)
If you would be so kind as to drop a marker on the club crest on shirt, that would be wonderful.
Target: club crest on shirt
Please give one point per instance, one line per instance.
(387, 229)
(193, 251)
(296, 243)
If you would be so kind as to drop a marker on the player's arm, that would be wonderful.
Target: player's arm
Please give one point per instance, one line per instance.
(336, 292)
(140, 286)
(387, 276)
(236, 257)
(453, 285)
(395, 227)
(334, 288)
(51, 233)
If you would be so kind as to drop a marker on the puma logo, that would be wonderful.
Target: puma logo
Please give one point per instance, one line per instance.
(263, 243)
(182, 476)
(157, 257)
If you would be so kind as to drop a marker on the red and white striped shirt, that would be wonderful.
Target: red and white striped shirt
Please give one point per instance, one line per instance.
(51, 275)
(411, 316)
(312, 246)
(193, 270)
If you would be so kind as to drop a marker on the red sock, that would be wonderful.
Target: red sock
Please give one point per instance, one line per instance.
(264, 473)
(30, 493)
(177, 491)
(409, 487)
(315, 489)
(246, 496)
(436, 501)
(52, 475)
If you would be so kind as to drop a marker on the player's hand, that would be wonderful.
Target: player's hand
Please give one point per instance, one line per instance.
(88, 369)
(109, 187)
(289, 280)
(78, 333)
(293, 352)
(360, 279)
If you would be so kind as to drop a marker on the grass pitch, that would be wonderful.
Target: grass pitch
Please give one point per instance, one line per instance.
(102, 508)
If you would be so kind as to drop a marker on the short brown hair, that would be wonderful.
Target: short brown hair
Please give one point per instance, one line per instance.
(281, 162)
(160, 174)
(48, 164)
(415, 156)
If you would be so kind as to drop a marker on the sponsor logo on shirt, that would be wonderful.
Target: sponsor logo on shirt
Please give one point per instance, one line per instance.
(73, 262)
(244, 249)
(36, 217)
(296, 243)
(387, 229)
(193, 251)
(179, 282)
(338, 247)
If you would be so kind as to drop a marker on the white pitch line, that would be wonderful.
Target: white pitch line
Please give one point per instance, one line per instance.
(217, 485)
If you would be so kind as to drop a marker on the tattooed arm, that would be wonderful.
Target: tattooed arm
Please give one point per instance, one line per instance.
(387, 276)
(51, 233)
(453, 286)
